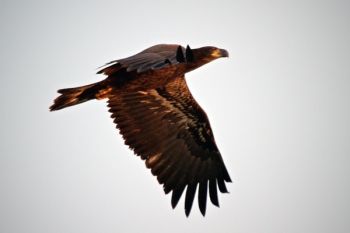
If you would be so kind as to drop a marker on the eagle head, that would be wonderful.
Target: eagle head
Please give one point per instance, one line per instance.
(200, 56)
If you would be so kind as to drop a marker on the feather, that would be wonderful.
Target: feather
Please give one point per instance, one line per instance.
(190, 192)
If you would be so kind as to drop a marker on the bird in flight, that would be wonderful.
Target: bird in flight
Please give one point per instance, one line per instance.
(160, 120)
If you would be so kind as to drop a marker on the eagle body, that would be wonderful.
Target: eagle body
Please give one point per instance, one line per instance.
(160, 120)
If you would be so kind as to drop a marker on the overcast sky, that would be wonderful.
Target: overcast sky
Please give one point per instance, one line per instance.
(279, 108)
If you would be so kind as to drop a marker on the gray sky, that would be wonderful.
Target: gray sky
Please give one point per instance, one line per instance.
(279, 108)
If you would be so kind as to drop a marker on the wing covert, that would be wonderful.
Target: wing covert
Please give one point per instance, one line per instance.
(156, 57)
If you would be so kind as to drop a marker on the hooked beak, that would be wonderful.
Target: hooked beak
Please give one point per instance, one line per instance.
(223, 53)
(219, 53)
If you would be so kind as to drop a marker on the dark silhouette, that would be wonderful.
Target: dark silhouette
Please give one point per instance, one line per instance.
(160, 120)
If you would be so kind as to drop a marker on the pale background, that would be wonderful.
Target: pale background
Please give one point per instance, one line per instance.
(279, 108)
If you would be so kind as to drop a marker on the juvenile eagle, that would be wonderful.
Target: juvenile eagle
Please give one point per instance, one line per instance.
(160, 120)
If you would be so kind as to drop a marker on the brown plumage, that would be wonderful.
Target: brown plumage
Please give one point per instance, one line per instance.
(160, 120)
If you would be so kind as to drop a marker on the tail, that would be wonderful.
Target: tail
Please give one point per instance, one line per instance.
(75, 95)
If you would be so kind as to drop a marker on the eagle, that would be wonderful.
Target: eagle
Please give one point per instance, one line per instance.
(159, 119)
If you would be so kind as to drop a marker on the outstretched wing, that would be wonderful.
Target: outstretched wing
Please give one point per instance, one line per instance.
(167, 128)
(155, 57)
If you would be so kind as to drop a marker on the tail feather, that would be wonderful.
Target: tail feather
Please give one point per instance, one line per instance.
(75, 95)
